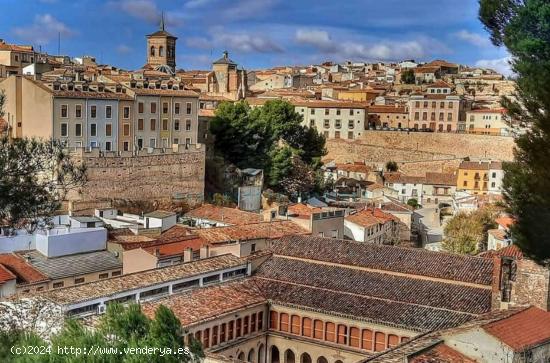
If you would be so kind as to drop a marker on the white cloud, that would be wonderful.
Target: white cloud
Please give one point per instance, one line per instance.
(147, 10)
(196, 3)
(123, 49)
(368, 50)
(237, 41)
(473, 38)
(43, 29)
(501, 65)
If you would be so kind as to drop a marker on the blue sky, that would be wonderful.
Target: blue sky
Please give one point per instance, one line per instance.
(257, 33)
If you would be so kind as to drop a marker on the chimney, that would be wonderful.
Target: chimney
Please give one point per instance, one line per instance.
(204, 252)
(188, 255)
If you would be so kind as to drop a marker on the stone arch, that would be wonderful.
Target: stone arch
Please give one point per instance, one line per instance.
(290, 357)
(305, 358)
(261, 353)
(251, 356)
(241, 356)
(322, 359)
(152, 51)
(274, 354)
(338, 361)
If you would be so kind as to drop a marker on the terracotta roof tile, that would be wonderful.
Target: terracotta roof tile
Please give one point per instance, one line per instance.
(5, 275)
(523, 330)
(386, 109)
(370, 217)
(505, 221)
(440, 179)
(440, 353)
(25, 272)
(272, 230)
(176, 248)
(224, 214)
(354, 168)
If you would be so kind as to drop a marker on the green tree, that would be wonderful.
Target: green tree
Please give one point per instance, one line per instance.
(413, 203)
(392, 166)
(523, 27)
(407, 76)
(266, 137)
(35, 176)
(466, 233)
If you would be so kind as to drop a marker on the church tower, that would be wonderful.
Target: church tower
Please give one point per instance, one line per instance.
(161, 48)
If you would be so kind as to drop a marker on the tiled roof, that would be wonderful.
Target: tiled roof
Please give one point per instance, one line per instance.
(480, 165)
(511, 251)
(489, 110)
(5, 275)
(160, 214)
(302, 210)
(274, 229)
(440, 179)
(397, 177)
(224, 214)
(91, 94)
(73, 265)
(439, 84)
(505, 221)
(199, 305)
(523, 330)
(26, 273)
(378, 311)
(330, 104)
(370, 217)
(440, 353)
(142, 279)
(354, 168)
(441, 63)
(176, 248)
(386, 109)
(16, 48)
(378, 285)
(415, 261)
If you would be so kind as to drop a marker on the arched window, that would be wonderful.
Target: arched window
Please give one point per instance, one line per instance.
(241, 356)
(322, 359)
(354, 338)
(289, 356)
(295, 324)
(284, 322)
(318, 329)
(342, 334)
(251, 355)
(393, 340)
(366, 339)
(152, 50)
(379, 342)
(161, 51)
(330, 332)
(306, 327)
(338, 361)
(305, 358)
(275, 354)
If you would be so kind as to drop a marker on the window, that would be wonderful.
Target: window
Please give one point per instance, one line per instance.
(449, 117)
(351, 112)
(161, 54)
(152, 142)
(336, 134)
(351, 124)
(108, 112)
(338, 124)
(93, 111)
(188, 108)
(78, 111)
(417, 116)
(108, 130)
(338, 112)
(441, 116)
(78, 130)
(379, 342)
(433, 104)
(58, 284)
(140, 124)
(206, 338)
(222, 332)
(312, 111)
(342, 334)
(153, 107)
(126, 146)
(238, 323)
(425, 104)
(354, 338)
(187, 141)
(230, 330)
(326, 124)
(152, 51)
(295, 324)
(140, 107)
(64, 129)
(306, 327)
(93, 130)
(165, 124)
(330, 332)
(245, 325)
(273, 320)
(318, 329)
(283, 326)
(126, 129)
(366, 339)
(326, 111)
(424, 116)
(126, 112)
(260, 321)
(79, 280)
(442, 104)
(417, 104)
(176, 140)
(177, 108)
(187, 125)
(350, 135)
(176, 125)
(165, 107)
(393, 340)
(64, 111)
(253, 323)
(153, 124)
(104, 275)
(108, 146)
(450, 105)
(140, 143)
(215, 336)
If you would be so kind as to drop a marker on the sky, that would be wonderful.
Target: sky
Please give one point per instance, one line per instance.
(257, 33)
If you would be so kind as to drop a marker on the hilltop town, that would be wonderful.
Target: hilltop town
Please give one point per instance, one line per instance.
(390, 245)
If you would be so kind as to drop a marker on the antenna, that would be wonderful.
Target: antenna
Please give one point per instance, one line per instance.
(162, 21)
(58, 43)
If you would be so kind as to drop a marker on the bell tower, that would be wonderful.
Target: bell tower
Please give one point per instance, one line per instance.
(161, 48)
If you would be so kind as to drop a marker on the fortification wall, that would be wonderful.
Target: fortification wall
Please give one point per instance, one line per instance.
(156, 176)
(382, 146)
